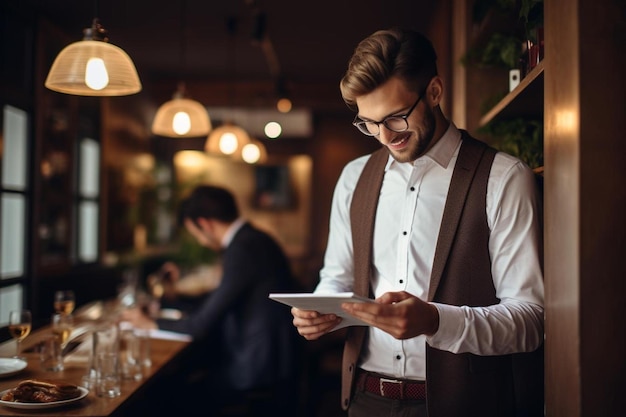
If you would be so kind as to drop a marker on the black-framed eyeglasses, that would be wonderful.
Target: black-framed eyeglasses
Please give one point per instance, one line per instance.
(396, 124)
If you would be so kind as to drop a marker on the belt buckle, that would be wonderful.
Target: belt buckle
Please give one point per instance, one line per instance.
(381, 383)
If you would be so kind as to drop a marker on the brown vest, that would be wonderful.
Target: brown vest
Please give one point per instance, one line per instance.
(457, 384)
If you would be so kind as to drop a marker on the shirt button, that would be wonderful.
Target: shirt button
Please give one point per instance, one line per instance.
(412, 188)
(398, 357)
(404, 233)
(401, 281)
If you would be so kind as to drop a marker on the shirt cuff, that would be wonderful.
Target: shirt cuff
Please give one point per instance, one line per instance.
(451, 326)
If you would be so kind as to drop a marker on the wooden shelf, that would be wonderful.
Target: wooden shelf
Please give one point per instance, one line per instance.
(526, 100)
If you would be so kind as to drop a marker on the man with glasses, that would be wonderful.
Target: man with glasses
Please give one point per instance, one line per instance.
(444, 233)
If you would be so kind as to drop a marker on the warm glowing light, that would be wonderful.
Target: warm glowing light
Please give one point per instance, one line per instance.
(144, 162)
(284, 105)
(228, 143)
(566, 120)
(181, 117)
(251, 153)
(181, 123)
(190, 165)
(96, 75)
(227, 139)
(273, 130)
(189, 159)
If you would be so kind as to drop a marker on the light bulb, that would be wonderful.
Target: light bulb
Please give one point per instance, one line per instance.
(228, 143)
(250, 153)
(96, 75)
(284, 105)
(273, 130)
(181, 123)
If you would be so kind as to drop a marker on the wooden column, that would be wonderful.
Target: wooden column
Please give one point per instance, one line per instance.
(585, 202)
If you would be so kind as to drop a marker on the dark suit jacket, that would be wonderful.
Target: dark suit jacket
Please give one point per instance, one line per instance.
(244, 333)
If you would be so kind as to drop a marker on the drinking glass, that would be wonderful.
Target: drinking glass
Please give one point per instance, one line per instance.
(64, 301)
(62, 325)
(20, 323)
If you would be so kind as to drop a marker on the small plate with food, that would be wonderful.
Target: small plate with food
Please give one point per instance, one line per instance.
(32, 394)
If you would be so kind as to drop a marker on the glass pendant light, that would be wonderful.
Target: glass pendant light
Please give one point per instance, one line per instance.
(93, 67)
(227, 139)
(181, 117)
(254, 152)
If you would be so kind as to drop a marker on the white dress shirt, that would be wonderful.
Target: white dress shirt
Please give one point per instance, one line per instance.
(412, 200)
(232, 230)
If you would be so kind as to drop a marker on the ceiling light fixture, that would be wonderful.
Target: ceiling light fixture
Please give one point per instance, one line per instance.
(273, 130)
(254, 152)
(93, 67)
(181, 117)
(227, 140)
(283, 104)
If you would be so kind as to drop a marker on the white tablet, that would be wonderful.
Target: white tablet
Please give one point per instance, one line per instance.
(324, 303)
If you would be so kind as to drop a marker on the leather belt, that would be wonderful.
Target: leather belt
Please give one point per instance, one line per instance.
(395, 389)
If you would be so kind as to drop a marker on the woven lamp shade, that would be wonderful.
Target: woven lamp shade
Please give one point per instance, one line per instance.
(67, 74)
(227, 139)
(164, 121)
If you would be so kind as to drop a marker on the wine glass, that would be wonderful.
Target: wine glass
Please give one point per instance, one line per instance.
(64, 301)
(62, 325)
(20, 323)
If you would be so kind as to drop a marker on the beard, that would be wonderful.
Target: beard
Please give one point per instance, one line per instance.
(419, 140)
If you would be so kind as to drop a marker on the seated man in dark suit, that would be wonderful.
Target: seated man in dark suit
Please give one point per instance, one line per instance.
(244, 342)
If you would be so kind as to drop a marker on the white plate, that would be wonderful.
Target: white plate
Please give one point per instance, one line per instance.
(40, 406)
(11, 366)
(170, 314)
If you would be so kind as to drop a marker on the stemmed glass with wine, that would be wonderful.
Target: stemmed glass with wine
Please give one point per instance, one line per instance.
(62, 326)
(62, 320)
(20, 324)
(64, 302)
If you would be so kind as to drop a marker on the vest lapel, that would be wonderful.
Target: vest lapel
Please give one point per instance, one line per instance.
(469, 155)
(362, 217)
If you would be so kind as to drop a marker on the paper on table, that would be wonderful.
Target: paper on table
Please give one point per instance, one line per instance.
(324, 303)
(82, 353)
(167, 335)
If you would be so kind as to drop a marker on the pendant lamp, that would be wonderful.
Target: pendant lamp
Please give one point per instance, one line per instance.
(93, 67)
(227, 139)
(181, 117)
(254, 152)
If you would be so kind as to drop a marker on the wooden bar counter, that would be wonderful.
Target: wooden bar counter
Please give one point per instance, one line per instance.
(163, 355)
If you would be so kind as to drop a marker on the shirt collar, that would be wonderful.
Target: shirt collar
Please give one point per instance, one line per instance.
(443, 151)
(232, 230)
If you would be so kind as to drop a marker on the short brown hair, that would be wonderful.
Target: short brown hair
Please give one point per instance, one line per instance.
(406, 54)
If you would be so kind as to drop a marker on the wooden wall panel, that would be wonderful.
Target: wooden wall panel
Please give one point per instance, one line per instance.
(585, 206)
(562, 195)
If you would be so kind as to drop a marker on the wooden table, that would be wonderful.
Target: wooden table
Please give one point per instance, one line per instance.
(163, 354)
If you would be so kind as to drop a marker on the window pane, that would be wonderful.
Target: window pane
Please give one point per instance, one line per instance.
(89, 168)
(12, 235)
(88, 231)
(14, 154)
(10, 299)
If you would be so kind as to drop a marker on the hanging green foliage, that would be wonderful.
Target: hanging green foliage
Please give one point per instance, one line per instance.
(519, 137)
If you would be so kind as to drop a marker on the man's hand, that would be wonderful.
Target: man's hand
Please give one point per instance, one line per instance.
(400, 314)
(311, 324)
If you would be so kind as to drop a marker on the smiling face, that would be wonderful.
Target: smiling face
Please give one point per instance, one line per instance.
(393, 98)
